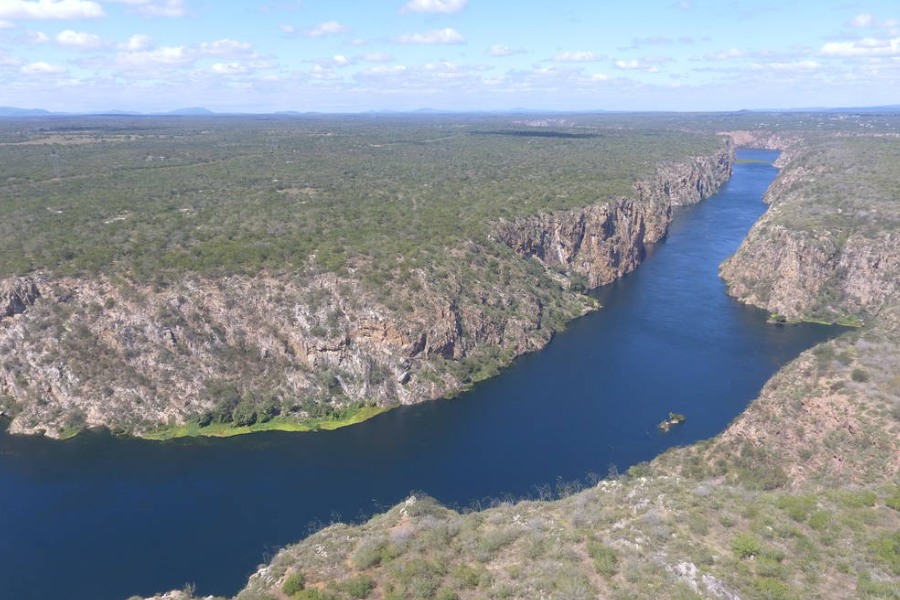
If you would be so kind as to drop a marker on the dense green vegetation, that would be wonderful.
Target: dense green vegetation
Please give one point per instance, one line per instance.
(152, 195)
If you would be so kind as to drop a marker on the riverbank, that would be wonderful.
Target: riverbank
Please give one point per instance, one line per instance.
(221, 430)
(798, 498)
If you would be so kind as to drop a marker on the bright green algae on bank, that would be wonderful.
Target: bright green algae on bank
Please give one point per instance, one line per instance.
(352, 417)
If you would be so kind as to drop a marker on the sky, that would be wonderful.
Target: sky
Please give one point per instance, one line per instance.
(467, 55)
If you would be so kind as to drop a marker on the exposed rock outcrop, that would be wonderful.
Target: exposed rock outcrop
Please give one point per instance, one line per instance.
(132, 356)
(817, 254)
(17, 295)
(603, 242)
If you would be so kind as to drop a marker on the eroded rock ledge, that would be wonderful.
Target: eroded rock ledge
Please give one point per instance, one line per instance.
(134, 356)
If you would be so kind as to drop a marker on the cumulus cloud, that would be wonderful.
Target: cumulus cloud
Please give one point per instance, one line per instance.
(139, 54)
(232, 68)
(165, 56)
(41, 68)
(434, 6)
(78, 39)
(648, 64)
(866, 47)
(580, 56)
(447, 35)
(137, 42)
(168, 8)
(501, 50)
(50, 9)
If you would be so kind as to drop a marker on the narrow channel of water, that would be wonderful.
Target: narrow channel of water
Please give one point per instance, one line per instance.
(97, 517)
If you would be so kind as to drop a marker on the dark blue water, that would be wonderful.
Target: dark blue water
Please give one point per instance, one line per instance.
(97, 517)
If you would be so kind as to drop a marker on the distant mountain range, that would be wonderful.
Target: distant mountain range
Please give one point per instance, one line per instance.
(199, 111)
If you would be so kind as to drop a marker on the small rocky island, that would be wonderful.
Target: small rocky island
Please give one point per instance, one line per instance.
(674, 419)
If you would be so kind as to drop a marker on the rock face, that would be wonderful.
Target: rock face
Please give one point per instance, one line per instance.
(815, 254)
(601, 243)
(133, 356)
(18, 295)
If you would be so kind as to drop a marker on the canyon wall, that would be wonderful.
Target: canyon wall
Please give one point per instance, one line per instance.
(827, 247)
(136, 356)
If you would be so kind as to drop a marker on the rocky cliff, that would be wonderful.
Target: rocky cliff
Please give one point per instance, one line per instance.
(133, 356)
(826, 248)
(601, 243)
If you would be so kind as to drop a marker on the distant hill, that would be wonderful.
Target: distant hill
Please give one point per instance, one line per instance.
(192, 111)
(11, 111)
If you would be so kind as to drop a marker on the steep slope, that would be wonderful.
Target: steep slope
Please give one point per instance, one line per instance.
(798, 498)
(197, 352)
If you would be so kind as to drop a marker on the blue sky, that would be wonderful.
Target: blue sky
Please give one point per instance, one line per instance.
(342, 55)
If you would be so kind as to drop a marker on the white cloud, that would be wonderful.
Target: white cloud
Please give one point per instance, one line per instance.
(799, 65)
(866, 47)
(649, 64)
(41, 68)
(224, 46)
(137, 42)
(322, 29)
(580, 56)
(448, 35)
(501, 50)
(50, 9)
(435, 6)
(165, 56)
(167, 8)
(232, 68)
(78, 39)
(862, 20)
(628, 65)
(385, 70)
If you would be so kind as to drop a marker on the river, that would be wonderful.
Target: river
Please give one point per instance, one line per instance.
(99, 517)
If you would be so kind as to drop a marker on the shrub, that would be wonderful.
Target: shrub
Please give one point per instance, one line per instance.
(359, 587)
(745, 545)
(294, 583)
(606, 562)
(886, 548)
(859, 375)
(893, 501)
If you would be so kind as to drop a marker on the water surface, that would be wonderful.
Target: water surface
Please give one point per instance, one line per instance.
(98, 517)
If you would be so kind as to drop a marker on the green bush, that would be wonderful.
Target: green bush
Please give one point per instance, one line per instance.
(606, 562)
(294, 583)
(886, 549)
(893, 501)
(359, 587)
(745, 545)
(859, 375)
